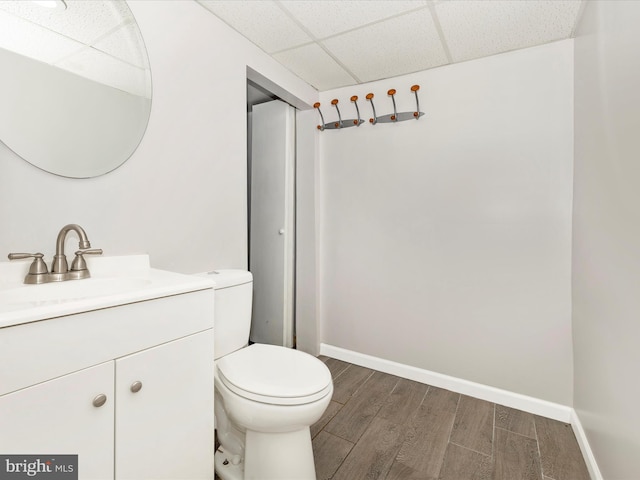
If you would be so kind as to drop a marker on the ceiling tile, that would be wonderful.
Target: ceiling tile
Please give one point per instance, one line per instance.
(477, 28)
(83, 20)
(33, 41)
(126, 44)
(403, 44)
(261, 21)
(324, 18)
(313, 65)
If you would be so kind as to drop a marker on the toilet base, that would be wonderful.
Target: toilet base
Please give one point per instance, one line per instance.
(225, 467)
(279, 456)
(270, 456)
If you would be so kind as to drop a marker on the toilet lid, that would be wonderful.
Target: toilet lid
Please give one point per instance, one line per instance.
(280, 375)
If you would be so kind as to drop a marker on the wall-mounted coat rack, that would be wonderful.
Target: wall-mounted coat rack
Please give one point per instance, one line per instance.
(395, 116)
(340, 123)
(390, 118)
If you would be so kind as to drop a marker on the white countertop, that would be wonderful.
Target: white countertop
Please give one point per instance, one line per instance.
(114, 281)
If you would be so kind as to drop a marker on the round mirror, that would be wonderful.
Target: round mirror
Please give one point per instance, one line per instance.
(75, 87)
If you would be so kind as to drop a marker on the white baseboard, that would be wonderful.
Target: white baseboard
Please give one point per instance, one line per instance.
(587, 453)
(458, 385)
(533, 405)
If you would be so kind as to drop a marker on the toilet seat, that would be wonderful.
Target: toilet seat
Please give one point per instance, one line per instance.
(275, 375)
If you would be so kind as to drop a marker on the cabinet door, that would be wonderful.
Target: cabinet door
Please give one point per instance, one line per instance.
(165, 430)
(58, 417)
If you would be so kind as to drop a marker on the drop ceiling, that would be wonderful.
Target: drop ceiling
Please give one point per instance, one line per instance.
(332, 44)
(96, 39)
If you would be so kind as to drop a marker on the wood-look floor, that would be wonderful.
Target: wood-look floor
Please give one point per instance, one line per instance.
(380, 426)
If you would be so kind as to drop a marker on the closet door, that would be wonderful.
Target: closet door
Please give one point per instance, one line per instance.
(272, 229)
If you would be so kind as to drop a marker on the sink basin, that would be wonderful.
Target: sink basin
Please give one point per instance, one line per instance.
(72, 290)
(114, 281)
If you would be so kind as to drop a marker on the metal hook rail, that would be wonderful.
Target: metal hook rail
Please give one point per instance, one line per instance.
(395, 116)
(340, 123)
(390, 118)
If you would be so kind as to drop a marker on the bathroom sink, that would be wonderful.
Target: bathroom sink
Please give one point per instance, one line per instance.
(58, 292)
(114, 281)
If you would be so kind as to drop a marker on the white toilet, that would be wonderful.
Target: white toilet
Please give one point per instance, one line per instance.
(266, 396)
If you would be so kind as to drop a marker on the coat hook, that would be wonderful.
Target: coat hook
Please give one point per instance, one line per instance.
(321, 126)
(358, 121)
(393, 117)
(334, 102)
(417, 114)
(373, 120)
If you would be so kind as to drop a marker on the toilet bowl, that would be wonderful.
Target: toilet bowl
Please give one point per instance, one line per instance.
(266, 396)
(270, 395)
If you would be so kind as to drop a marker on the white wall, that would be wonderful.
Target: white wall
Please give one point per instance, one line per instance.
(307, 323)
(606, 244)
(446, 242)
(182, 195)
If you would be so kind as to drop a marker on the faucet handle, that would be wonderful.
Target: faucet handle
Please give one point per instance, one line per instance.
(38, 267)
(79, 262)
(90, 251)
(20, 256)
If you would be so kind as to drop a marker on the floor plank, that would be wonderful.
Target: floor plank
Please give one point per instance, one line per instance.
(329, 413)
(335, 366)
(515, 421)
(329, 452)
(473, 428)
(373, 455)
(402, 404)
(348, 381)
(515, 457)
(403, 472)
(559, 451)
(354, 418)
(426, 440)
(463, 464)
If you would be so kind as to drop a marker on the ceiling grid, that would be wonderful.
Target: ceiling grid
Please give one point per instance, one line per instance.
(336, 43)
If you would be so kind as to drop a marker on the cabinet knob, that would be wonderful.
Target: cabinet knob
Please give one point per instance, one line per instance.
(136, 386)
(99, 400)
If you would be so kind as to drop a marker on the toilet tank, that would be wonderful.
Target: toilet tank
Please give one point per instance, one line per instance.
(232, 320)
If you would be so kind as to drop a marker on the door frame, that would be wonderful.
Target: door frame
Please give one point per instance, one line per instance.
(307, 215)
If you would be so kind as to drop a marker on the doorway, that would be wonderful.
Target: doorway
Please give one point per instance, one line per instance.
(271, 158)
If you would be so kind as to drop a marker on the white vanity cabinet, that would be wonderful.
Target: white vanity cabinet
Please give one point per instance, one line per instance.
(165, 430)
(153, 360)
(58, 417)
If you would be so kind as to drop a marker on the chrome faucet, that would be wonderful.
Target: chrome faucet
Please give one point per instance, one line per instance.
(60, 268)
